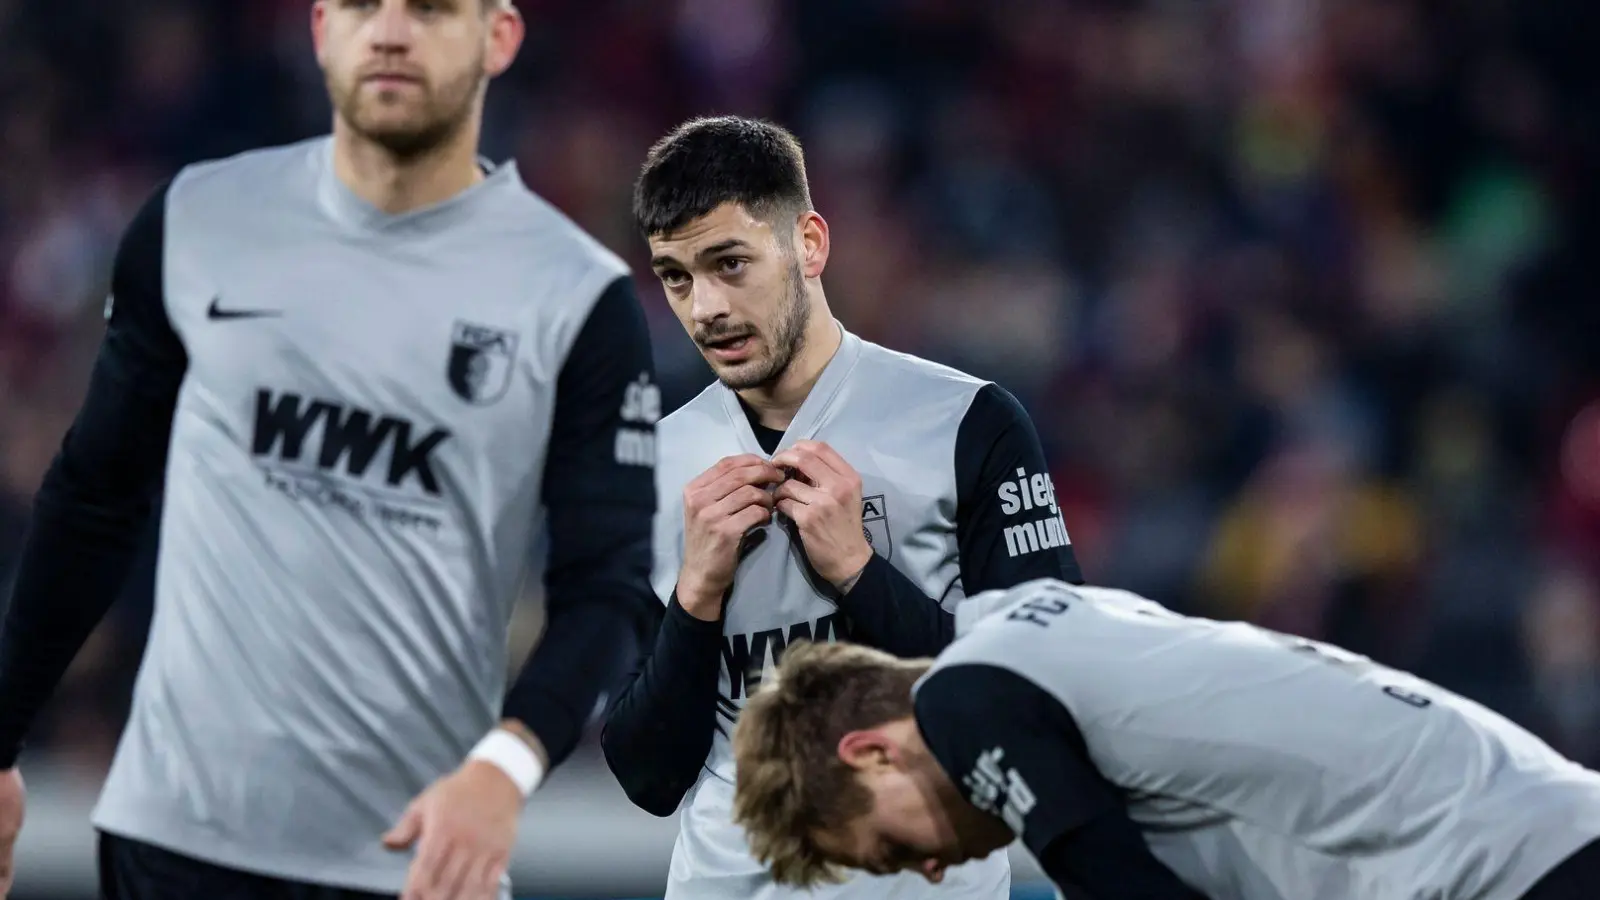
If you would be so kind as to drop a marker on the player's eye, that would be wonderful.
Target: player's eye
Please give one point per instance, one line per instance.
(673, 278)
(731, 265)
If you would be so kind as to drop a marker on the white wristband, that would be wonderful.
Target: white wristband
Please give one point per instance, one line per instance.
(514, 757)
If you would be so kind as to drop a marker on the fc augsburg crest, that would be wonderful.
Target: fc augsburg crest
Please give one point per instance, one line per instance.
(875, 522)
(481, 360)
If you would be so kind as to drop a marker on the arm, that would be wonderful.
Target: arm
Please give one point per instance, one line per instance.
(659, 728)
(96, 497)
(1014, 750)
(601, 503)
(995, 440)
(1004, 483)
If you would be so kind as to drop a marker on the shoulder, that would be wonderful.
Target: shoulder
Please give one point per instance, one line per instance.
(908, 388)
(1009, 627)
(549, 237)
(686, 437)
(904, 369)
(239, 180)
(971, 692)
(701, 411)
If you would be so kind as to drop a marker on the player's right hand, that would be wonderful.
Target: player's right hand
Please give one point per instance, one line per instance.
(719, 506)
(13, 798)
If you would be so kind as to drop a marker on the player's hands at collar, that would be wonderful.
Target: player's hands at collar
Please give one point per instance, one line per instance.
(464, 827)
(823, 498)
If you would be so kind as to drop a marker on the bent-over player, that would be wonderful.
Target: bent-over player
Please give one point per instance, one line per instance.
(1142, 754)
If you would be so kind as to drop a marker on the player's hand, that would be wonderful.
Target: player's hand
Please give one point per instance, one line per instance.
(464, 827)
(13, 799)
(719, 506)
(825, 504)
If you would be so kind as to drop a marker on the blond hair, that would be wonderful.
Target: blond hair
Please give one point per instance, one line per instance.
(791, 784)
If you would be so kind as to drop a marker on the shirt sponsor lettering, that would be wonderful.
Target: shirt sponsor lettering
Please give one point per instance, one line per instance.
(334, 455)
(999, 790)
(749, 656)
(641, 409)
(1032, 498)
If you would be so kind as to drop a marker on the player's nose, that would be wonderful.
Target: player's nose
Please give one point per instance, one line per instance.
(391, 27)
(707, 305)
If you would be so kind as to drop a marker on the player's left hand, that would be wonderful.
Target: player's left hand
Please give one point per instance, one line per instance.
(464, 827)
(825, 504)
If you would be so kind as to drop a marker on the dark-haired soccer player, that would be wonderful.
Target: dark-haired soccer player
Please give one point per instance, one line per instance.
(378, 363)
(1143, 755)
(823, 487)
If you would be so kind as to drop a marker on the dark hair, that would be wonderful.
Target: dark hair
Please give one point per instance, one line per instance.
(707, 162)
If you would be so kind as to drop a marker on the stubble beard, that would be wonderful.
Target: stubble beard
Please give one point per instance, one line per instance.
(436, 119)
(787, 340)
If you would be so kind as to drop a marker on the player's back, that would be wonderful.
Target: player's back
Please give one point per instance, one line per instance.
(352, 494)
(1266, 766)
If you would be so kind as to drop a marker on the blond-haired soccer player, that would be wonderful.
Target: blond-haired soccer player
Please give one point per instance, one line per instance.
(1142, 754)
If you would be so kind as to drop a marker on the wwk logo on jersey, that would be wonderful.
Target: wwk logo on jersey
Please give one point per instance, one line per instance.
(1033, 498)
(999, 790)
(641, 407)
(481, 360)
(301, 441)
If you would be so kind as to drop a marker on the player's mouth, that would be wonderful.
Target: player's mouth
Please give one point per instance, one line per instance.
(731, 349)
(391, 81)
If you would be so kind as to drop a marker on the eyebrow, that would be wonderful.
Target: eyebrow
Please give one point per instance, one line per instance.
(658, 262)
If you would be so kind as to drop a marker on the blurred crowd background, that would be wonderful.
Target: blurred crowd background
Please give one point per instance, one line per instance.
(1304, 295)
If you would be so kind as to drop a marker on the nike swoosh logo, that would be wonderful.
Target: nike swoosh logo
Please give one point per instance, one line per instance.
(215, 311)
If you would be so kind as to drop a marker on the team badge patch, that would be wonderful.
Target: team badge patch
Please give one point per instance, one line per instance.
(875, 523)
(481, 359)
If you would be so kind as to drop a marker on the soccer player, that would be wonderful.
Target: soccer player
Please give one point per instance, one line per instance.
(1141, 754)
(379, 365)
(822, 487)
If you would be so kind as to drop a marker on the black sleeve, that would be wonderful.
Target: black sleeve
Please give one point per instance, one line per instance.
(599, 490)
(659, 727)
(1009, 526)
(1015, 752)
(999, 466)
(889, 612)
(96, 497)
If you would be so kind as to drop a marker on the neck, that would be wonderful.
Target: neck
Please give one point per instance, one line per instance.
(776, 403)
(398, 185)
(976, 833)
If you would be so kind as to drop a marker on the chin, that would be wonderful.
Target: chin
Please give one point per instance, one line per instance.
(742, 376)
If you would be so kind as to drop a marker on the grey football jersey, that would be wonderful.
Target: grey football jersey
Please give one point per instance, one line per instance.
(893, 417)
(358, 452)
(1268, 767)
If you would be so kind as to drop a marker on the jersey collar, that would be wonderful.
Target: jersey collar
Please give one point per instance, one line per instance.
(351, 211)
(814, 410)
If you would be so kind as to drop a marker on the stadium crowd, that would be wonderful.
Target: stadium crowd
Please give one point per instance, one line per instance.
(1303, 295)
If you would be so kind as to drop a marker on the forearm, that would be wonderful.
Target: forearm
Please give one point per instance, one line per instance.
(600, 504)
(584, 651)
(888, 611)
(659, 727)
(72, 566)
